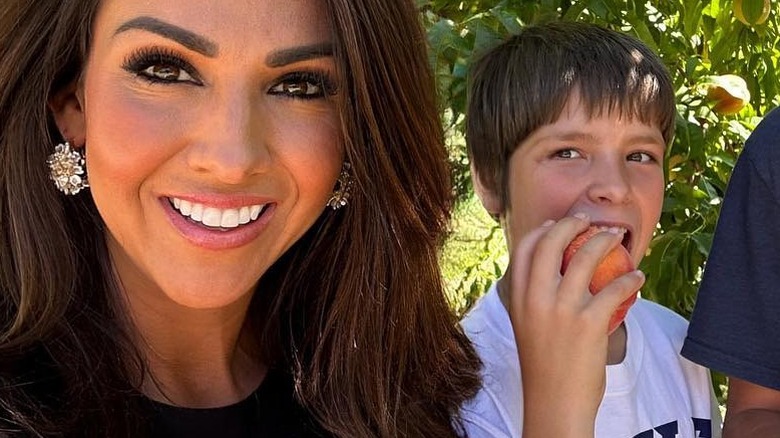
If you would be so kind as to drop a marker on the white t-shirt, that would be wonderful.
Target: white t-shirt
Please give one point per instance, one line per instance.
(653, 393)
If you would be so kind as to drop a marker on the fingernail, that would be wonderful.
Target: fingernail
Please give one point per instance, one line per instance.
(581, 216)
(639, 274)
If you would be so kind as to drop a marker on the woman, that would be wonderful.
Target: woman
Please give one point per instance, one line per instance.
(191, 276)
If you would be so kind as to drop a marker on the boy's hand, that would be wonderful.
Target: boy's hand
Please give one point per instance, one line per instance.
(560, 328)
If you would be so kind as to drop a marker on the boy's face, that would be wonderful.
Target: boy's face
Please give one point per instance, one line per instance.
(607, 167)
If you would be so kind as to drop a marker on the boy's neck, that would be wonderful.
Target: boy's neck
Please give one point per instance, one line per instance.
(616, 347)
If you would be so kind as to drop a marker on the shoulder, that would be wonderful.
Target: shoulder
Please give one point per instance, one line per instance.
(762, 148)
(494, 410)
(663, 332)
(489, 329)
(488, 318)
(766, 133)
(662, 329)
(657, 317)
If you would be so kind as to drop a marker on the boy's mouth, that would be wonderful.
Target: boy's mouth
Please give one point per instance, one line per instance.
(626, 242)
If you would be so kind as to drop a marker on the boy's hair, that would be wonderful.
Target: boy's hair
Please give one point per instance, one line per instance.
(525, 82)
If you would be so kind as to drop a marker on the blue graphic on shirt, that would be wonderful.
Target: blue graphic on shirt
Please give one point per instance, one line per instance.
(702, 426)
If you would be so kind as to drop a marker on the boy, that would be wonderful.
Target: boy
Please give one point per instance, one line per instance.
(568, 124)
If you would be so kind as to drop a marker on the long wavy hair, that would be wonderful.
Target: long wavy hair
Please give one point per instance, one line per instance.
(355, 309)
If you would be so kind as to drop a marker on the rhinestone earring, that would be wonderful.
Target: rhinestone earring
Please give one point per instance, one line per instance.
(343, 190)
(66, 167)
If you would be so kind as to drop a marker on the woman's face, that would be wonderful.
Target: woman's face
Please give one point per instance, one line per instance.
(212, 139)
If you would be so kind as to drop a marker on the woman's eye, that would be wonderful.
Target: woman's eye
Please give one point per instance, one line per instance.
(641, 157)
(167, 73)
(567, 154)
(161, 66)
(304, 85)
(302, 88)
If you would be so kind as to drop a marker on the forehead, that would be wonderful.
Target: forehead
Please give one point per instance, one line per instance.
(233, 24)
(578, 109)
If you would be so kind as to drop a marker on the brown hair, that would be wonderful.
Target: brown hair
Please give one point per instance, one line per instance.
(355, 309)
(524, 83)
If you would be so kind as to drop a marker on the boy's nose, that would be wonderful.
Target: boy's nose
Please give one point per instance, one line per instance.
(230, 146)
(609, 183)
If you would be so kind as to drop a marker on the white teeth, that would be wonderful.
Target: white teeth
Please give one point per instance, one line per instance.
(215, 217)
(197, 212)
(212, 217)
(243, 216)
(185, 207)
(616, 230)
(254, 211)
(229, 218)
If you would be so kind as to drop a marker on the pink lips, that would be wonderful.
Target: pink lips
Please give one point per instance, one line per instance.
(214, 238)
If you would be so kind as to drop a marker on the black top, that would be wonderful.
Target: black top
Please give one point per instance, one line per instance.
(735, 327)
(271, 411)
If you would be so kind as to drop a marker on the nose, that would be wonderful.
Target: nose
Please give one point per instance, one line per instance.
(609, 182)
(229, 144)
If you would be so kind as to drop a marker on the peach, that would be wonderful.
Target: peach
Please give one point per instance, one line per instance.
(616, 263)
(728, 93)
(752, 12)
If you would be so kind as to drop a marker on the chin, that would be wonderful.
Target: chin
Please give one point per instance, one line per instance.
(207, 295)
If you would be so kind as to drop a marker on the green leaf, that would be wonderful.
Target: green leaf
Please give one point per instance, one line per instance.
(643, 32)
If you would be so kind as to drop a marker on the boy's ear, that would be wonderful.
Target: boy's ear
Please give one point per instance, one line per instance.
(491, 200)
(67, 108)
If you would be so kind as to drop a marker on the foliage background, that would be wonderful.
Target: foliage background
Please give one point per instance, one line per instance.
(696, 39)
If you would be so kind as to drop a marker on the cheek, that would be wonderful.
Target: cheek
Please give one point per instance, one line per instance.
(126, 138)
(652, 195)
(545, 196)
(653, 215)
(535, 199)
(311, 149)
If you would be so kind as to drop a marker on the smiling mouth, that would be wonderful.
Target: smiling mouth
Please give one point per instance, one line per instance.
(217, 218)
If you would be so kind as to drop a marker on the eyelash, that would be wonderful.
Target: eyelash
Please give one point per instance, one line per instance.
(320, 79)
(143, 59)
(559, 153)
(650, 156)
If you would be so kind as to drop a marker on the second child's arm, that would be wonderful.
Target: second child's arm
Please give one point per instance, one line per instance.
(561, 329)
(751, 411)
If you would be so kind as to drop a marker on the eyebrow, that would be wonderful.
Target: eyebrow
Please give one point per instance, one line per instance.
(280, 58)
(648, 139)
(565, 136)
(182, 36)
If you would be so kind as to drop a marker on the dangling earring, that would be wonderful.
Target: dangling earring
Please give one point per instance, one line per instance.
(66, 167)
(342, 192)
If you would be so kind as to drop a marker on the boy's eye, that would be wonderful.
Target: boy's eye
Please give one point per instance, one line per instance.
(641, 157)
(304, 85)
(567, 154)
